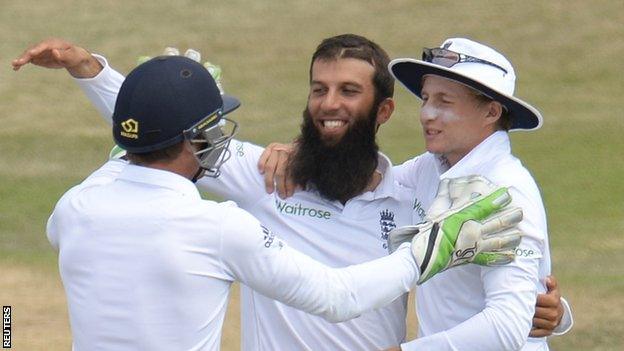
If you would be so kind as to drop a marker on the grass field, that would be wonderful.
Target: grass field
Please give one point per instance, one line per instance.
(568, 59)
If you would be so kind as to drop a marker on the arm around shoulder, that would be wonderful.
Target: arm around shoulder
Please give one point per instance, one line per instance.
(254, 255)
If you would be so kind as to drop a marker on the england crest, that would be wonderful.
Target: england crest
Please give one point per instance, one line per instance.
(386, 221)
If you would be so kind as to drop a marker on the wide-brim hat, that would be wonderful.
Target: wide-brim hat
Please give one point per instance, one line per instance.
(489, 79)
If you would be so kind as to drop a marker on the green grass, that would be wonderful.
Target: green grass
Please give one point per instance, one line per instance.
(567, 56)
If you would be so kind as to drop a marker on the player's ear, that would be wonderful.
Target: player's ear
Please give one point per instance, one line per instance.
(384, 111)
(494, 112)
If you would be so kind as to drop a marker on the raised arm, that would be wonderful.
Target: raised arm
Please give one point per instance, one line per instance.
(58, 53)
(99, 82)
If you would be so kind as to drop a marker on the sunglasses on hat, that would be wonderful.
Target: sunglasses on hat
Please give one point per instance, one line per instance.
(448, 58)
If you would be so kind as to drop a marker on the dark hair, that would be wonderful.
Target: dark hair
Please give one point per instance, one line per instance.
(163, 155)
(504, 122)
(358, 47)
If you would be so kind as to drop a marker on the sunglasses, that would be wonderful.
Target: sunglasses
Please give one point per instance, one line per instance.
(448, 58)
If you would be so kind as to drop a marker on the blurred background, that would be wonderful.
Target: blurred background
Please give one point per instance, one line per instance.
(568, 60)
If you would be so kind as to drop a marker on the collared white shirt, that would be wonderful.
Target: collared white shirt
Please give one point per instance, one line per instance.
(473, 307)
(147, 264)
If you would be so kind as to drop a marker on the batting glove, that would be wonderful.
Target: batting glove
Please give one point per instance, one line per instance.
(465, 224)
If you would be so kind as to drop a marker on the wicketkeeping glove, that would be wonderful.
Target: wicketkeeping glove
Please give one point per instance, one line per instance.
(194, 55)
(465, 224)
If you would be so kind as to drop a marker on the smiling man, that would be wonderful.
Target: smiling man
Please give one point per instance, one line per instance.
(345, 178)
(338, 154)
(468, 108)
(450, 117)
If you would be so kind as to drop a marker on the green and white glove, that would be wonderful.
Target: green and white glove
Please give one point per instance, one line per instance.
(466, 224)
(117, 153)
(194, 55)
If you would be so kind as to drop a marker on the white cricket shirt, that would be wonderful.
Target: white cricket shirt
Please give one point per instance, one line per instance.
(473, 307)
(147, 264)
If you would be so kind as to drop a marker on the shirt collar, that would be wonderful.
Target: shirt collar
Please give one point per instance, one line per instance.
(489, 149)
(159, 178)
(385, 188)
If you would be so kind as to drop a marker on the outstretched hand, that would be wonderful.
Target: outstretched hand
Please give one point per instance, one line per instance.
(57, 53)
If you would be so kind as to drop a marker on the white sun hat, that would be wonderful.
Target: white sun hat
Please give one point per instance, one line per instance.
(474, 65)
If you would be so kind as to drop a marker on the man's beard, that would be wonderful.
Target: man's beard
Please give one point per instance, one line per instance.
(338, 170)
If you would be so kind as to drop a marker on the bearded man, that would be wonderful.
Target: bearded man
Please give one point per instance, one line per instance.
(349, 202)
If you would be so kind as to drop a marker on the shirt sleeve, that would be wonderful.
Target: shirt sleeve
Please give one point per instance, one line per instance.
(504, 323)
(102, 89)
(105, 174)
(567, 321)
(510, 295)
(257, 258)
(403, 171)
(411, 172)
(240, 180)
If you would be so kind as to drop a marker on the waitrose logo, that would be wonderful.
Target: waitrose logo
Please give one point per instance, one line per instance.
(298, 210)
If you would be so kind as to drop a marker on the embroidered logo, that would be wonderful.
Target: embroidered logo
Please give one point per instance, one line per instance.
(386, 221)
(130, 128)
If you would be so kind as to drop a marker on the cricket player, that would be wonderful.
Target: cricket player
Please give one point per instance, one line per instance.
(468, 108)
(351, 192)
(147, 264)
